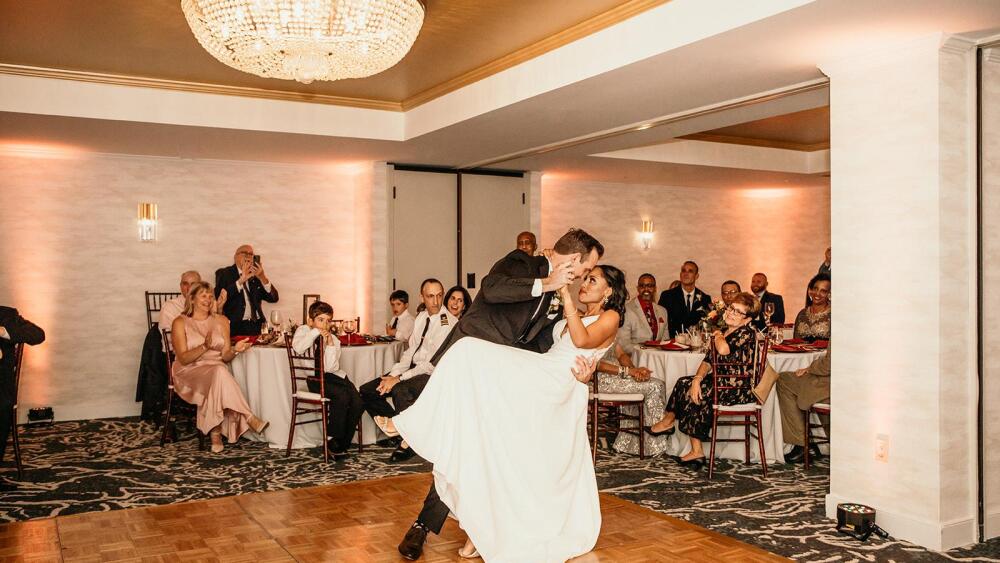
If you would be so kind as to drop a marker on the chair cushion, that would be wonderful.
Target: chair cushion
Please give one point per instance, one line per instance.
(621, 397)
(307, 396)
(821, 407)
(747, 407)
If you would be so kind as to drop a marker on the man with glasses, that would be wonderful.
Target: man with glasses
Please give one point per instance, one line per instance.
(644, 318)
(246, 286)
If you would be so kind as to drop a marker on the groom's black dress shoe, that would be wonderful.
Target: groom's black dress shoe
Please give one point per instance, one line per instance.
(412, 545)
(402, 454)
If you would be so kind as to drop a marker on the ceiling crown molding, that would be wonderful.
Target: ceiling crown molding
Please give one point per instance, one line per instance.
(199, 87)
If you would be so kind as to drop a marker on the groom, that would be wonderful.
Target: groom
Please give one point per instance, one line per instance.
(512, 308)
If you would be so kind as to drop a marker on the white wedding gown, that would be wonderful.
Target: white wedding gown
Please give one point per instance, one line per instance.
(506, 430)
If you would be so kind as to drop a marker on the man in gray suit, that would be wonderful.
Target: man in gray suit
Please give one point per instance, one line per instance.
(644, 318)
(797, 392)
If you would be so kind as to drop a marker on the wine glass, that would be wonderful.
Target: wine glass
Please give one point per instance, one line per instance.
(335, 326)
(350, 326)
(768, 311)
(777, 335)
(276, 318)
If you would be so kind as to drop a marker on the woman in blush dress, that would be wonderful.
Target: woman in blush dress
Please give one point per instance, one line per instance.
(200, 376)
(506, 430)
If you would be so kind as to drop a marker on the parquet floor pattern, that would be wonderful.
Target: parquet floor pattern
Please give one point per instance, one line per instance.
(351, 522)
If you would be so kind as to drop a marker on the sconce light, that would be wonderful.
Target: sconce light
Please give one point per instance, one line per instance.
(147, 222)
(646, 234)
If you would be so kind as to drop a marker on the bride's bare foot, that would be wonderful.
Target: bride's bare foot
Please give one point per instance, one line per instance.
(469, 550)
(385, 425)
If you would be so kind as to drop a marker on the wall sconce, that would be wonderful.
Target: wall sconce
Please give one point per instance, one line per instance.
(147, 222)
(646, 234)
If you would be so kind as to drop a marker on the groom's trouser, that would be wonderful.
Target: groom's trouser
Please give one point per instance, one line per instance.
(434, 513)
(403, 395)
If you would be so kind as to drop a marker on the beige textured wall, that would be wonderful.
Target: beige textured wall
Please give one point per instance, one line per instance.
(991, 285)
(71, 260)
(730, 233)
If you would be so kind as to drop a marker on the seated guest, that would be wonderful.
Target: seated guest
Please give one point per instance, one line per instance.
(685, 304)
(619, 375)
(797, 392)
(690, 402)
(526, 243)
(401, 325)
(246, 285)
(410, 374)
(813, 322)
(202, 348)
(758, 285)
(644, 319)
(345, 402)
(173, 308)
(674, 284)
(457, 301)
(14, 329)
(730, 289)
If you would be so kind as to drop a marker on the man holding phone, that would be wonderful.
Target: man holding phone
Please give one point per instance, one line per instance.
(246, 287)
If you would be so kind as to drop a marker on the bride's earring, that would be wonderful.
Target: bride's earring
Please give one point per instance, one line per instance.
(605, 302)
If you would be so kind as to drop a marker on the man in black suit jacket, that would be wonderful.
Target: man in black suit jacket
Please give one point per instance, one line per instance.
(758, 285)
(685, 304)
(512, 308)
(14, 329)
(246, 285)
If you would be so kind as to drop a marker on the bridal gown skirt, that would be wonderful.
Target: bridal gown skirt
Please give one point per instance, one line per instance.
(506, 430)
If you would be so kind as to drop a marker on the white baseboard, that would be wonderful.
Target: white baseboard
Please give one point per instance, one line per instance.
(992, 525)
(939, 536)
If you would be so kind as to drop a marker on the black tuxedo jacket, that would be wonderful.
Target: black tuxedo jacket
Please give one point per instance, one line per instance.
(778, 318)
(504, 311)
(679, 318)
(226, 278)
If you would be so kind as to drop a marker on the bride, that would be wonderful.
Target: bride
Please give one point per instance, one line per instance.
(506, 430)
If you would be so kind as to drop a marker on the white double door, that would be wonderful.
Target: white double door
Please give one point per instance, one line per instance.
(428, 230)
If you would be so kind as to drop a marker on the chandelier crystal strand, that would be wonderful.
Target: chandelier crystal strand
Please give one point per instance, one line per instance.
(306, 40)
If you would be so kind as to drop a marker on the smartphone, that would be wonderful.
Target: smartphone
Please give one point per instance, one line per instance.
(256, 259)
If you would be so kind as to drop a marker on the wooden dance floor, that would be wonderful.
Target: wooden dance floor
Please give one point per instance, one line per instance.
(353, 522)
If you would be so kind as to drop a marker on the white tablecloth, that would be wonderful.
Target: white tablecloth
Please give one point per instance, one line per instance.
(262, 373)
(671, 366)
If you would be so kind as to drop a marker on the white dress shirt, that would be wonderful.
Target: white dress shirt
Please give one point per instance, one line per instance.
(170, 310)
(423, 346)
(304, 337)
(247, 311)
(404, 325)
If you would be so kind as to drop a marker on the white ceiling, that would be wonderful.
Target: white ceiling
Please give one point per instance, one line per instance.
(766, 55)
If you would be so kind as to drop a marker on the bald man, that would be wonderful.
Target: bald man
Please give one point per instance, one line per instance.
(526, 243)
(246, 286)
(172, 308)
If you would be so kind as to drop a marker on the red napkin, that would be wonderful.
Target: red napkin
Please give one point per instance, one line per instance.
(651, 343)
(786, 348)
(821, 344)
(674, 347)
(793, 341)
(354, 340)
(251, 339)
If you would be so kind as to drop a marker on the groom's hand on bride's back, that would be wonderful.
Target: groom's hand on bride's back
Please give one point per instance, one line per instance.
(583, 371)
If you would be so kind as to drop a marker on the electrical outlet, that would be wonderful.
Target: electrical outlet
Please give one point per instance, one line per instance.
(882, 448)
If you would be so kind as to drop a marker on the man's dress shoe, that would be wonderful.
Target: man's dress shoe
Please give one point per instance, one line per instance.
(412, 545)
(402, 454)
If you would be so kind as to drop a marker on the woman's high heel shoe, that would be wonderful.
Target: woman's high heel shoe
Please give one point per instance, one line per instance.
(383, 425)
(696, 464)
(649, 430)
(465, 555)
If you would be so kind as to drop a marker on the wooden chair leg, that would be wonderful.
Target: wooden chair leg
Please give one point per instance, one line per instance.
(326, 438)
(166, 415)
(17, 446)
(805, 438)
(711, 455)
(642, 436)
(360, 436)
(760, 443)
(291, 427)
(746, 438)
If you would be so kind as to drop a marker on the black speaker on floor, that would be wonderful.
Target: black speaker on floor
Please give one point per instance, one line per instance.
(858, 521)
(40, 416)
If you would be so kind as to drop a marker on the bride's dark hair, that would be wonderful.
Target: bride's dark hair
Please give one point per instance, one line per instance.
(619, 293)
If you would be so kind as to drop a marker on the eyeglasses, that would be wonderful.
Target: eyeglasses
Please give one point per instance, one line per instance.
(733, 310)
(731, 292)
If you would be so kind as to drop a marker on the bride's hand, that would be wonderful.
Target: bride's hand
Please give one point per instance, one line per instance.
(584, 369)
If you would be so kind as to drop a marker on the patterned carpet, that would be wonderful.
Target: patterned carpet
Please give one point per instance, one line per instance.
(111, 464)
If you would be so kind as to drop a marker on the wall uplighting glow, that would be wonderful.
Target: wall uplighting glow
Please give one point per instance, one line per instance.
(147, 217)
(646, 234)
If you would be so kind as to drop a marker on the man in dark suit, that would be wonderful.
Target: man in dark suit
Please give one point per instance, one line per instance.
(758, 285)
(512, 308)
(14, 329)
(685, 304)
(246, 287)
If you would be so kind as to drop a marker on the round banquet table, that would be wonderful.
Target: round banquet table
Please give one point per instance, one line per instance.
(262, 372)
(669, 366)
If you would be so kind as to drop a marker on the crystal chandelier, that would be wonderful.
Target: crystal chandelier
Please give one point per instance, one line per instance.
(306, 40)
